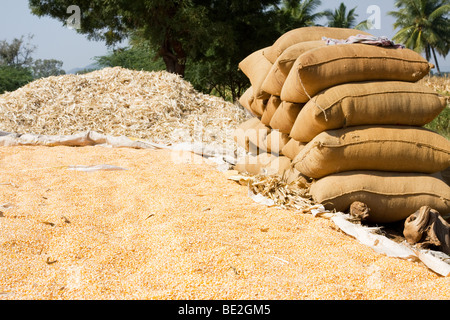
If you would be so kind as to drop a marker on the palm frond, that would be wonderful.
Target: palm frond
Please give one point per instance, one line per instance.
(424, 25)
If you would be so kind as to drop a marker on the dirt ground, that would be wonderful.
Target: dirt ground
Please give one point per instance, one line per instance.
(173, 228)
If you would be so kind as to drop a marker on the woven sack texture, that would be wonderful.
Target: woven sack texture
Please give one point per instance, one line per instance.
(256, 67)
(246, 99)
(258, 106)
(272, 164)
(292, 148)
(272, 105)
(445, 175)
(383, 148)
(306, 34)
(275, 141)
(253, 164)
(284, 117)
(367, 103)
(390, 196)
(277, 75)
(278, 166)
(325, 67)
(251, 131)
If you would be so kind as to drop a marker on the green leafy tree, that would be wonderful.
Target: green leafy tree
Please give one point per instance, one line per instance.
(209, 36)
(173, 27)
(12, 77)
(300, 13)
(178, 30)
(340, 18)
(17, 53)
(15, 63)
(236, 29)
(43, 68)
(131, 57)
(424, 26)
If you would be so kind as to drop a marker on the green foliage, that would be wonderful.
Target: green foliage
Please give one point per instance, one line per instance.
(174, 28)
(216, 78)
(340, 18)
(43, 68)
(177, 30)
(424, 26)
(17, 64)
(235, 30)
(12, 78)
(17, 53)
(86, 70)
(299, 13)
(134, 58)
(441, 124)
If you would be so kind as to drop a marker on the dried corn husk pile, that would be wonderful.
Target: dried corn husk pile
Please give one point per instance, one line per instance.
(156, 106)
(278, 190)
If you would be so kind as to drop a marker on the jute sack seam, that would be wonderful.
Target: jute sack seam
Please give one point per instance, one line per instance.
(339, 100)
(297, 89)
(353, 58)
(366, 142)
(384, 193)
(391, 196)
(283, 61)
(306, 34)
(309, 97)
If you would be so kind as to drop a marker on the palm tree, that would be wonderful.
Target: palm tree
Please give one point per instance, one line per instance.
(301, 13)
(340, 18)
(424, 26)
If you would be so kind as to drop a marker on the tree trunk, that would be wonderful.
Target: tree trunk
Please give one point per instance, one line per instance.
(174, 56)
(436, 60)
(173, 65)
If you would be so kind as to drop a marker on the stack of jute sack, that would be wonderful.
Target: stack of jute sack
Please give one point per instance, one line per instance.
(350, 117)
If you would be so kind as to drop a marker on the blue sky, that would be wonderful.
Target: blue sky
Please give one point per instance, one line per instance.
(54, 41)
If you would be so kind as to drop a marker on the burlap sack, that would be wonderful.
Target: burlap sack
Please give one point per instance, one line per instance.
(275, 141)
(277, 75)
(252, 132)
(240, 134)
(264, 163)
(292, 148)
(383, 148)
(284, 117)
(325, 67)
(364, 103)
(390, 196)
(256, 67)
(278, 166)
(258, 106)
(306, 34)
(253, 164)
(272, 105)
(246, 100)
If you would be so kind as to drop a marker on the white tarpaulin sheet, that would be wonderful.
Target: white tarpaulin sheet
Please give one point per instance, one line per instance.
(89, 138)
